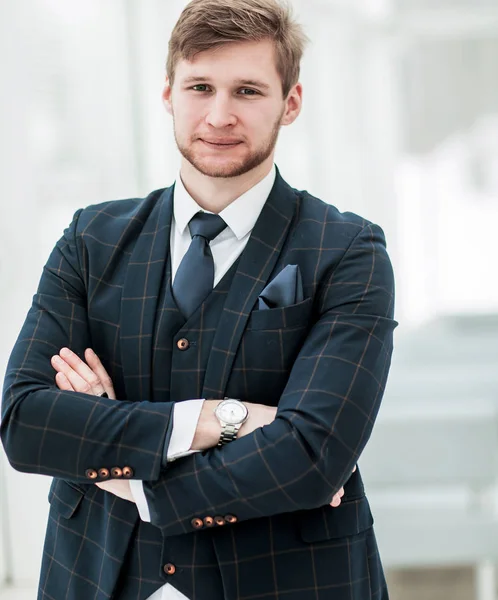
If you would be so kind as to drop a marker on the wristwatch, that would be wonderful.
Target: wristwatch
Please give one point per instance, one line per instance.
(231, 414)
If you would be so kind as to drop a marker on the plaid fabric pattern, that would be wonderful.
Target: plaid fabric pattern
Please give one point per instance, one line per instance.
(324, 362)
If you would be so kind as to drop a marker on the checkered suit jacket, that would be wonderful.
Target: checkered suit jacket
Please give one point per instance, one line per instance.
(324, 361)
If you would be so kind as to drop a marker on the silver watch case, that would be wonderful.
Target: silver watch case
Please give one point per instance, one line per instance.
(230, 420)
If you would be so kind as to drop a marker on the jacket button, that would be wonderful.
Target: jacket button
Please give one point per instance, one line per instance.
(91, 474)
(219, 521)
(209, 521)
(231, 519)
(197, 523)
(183, 344)
(116, 472)
(104, 473)
(127, 472)
(169, 569)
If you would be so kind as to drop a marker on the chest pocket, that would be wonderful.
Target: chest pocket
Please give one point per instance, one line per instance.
(267, 351)
(286, 317)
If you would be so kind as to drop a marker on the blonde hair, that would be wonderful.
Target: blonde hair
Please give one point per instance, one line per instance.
(208, 24)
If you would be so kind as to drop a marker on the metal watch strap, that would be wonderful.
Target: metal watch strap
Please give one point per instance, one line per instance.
(228, 433)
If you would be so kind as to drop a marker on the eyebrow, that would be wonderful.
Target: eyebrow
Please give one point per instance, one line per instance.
(248, 82)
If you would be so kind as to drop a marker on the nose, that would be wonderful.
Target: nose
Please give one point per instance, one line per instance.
(220, 113)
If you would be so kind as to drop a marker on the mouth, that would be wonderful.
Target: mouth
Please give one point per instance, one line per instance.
(221, 145)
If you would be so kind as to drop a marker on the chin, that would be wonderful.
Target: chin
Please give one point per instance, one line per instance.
(232, 170)
(220, 168)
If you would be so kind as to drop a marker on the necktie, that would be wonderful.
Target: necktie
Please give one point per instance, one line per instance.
(195, 276)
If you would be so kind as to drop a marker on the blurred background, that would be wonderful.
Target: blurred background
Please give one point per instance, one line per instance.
(400, 124)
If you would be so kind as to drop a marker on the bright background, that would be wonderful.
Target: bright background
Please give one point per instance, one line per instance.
(400, 124)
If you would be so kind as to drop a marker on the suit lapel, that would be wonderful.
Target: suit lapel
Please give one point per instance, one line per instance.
(139, 303)
(255, 267)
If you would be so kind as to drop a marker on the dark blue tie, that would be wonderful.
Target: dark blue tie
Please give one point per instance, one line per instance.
(195, 276)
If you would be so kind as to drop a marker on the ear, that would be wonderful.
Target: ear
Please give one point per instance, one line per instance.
(166, 96)
(293, 105)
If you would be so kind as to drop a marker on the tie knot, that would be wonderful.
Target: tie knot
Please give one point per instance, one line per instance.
(206, 225)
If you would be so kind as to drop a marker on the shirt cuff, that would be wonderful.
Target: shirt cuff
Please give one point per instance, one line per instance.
(137, 491)
(185, 418)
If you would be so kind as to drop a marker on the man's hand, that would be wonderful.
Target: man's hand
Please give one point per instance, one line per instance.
(75, 376)
(92, 378)
(118, 487)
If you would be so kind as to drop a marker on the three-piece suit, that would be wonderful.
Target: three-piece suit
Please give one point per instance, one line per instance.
(250, 520)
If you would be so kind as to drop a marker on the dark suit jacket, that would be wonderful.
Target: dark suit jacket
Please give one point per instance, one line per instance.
(324, 361)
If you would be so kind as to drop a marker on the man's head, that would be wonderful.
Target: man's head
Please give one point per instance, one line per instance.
(233, 70)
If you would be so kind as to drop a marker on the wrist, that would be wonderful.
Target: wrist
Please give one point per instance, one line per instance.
(208, 431)
(231, 413)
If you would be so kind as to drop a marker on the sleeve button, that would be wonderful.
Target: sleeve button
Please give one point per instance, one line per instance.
(116, 472)
(197, 523)
(127, 472)
(91, 474)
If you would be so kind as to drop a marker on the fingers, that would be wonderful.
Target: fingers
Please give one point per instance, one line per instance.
(78, 383)
(336, 500)
(121, 489)
(81, 368)
(63, 382)
(98, 368)
(81, 377)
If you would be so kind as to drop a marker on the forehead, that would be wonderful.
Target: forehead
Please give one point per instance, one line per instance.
(233, 61)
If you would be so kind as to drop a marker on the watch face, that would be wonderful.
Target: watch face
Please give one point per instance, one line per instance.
(231, 412)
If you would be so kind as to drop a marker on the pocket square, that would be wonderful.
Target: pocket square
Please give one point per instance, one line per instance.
(286, 289)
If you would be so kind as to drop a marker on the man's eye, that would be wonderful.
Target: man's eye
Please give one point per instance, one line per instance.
(201, 87)
(248, 92)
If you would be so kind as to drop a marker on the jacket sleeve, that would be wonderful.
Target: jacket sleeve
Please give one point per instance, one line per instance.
(325, 414)
(65, 434)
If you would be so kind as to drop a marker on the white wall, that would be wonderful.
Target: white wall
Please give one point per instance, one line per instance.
(82, 122)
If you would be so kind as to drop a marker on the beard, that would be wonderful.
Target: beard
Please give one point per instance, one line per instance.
(235, 168)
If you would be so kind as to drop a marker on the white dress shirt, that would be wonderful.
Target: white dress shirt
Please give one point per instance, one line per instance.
(240, 216)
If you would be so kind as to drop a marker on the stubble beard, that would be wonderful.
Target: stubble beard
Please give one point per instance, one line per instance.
(235, 168)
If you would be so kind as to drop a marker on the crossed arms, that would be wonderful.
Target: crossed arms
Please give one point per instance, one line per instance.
(300, 460)
(91, 378)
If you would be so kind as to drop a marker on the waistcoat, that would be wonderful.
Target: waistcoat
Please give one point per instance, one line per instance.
(181, 351)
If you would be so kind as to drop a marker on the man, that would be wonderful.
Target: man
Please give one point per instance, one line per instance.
(244, 331)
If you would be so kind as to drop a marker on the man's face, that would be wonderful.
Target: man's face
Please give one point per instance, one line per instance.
(228, 107)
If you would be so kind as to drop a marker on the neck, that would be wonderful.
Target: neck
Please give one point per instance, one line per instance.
(216, 193)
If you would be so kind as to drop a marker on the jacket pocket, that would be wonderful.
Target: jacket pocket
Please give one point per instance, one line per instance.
(65, 498)
(325, 523)
(286, 317)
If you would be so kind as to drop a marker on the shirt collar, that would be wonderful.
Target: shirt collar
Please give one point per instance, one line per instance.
(240, 215)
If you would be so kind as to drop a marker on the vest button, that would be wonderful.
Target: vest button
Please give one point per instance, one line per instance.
(169, 569)
(183, 344)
